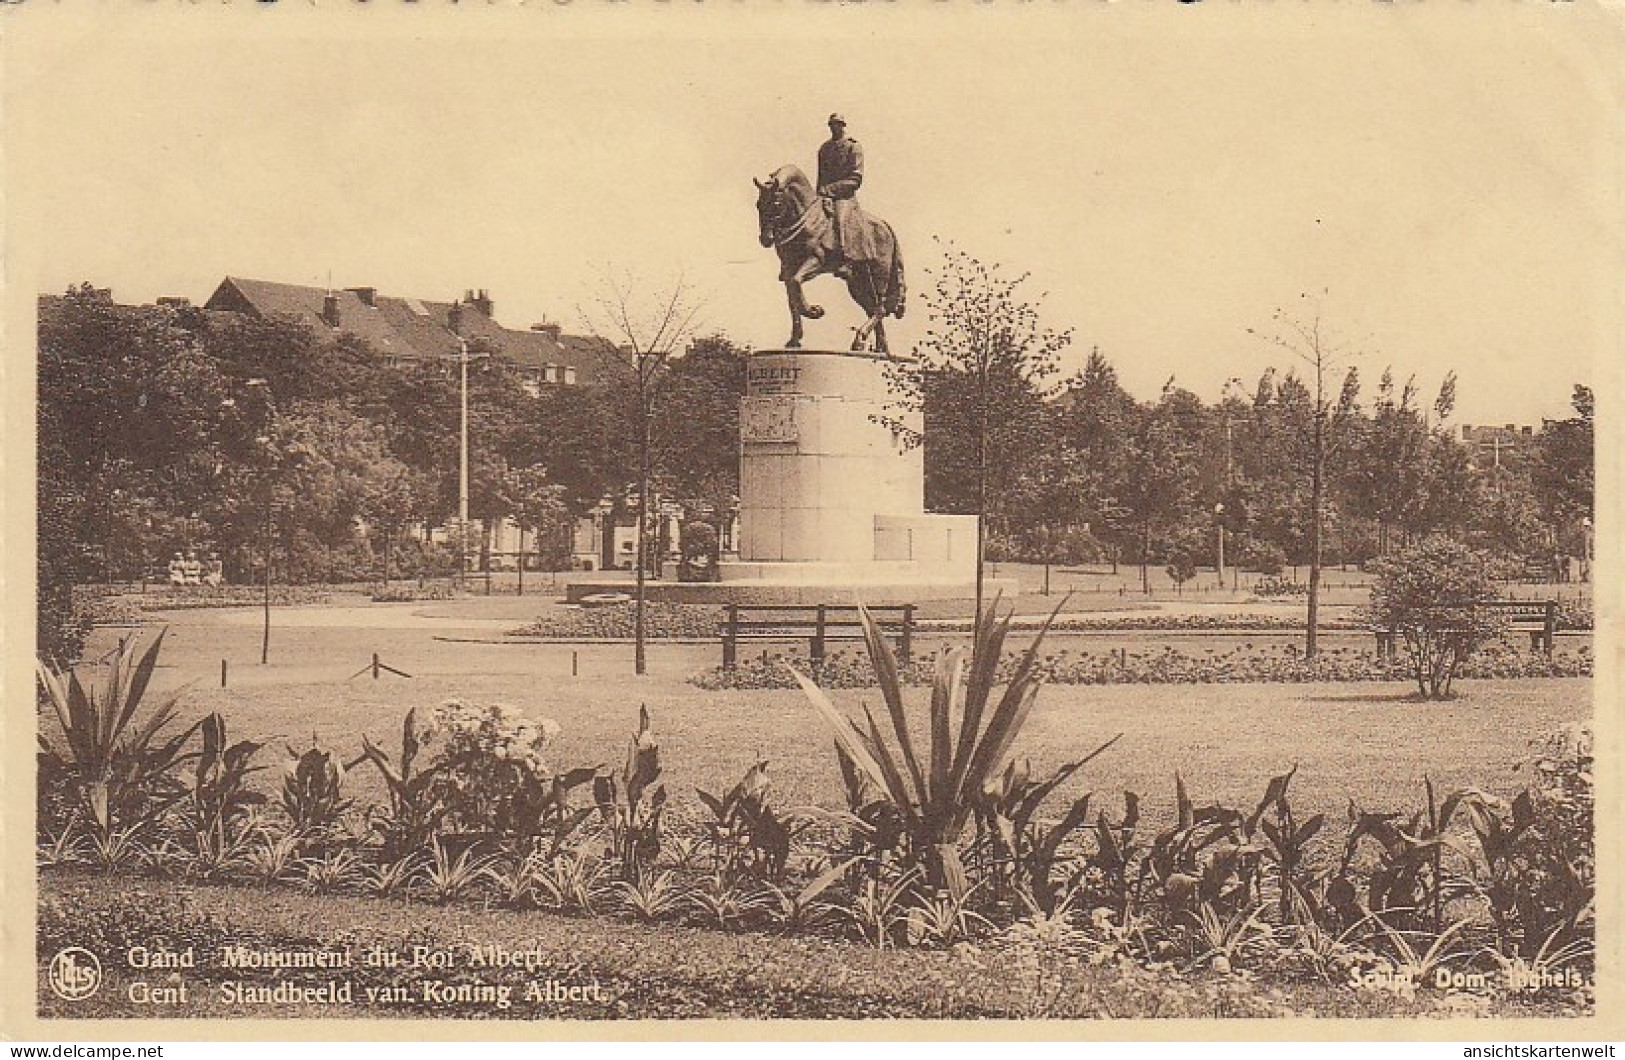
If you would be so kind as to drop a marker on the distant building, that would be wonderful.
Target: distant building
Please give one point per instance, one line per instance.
(1492, 448)
(411, 330)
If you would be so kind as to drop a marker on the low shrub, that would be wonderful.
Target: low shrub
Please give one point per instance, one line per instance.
(1274, 586)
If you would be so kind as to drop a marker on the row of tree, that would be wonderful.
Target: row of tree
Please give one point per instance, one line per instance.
(1301, 465)
(163, 429)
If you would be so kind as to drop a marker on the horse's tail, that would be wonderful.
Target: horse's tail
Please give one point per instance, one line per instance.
(897, 289)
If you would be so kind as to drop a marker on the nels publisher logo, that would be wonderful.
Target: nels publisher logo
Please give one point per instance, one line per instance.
(75, 974)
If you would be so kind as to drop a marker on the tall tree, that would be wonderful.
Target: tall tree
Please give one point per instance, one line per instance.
(1307, 337)
(1563, 473)
(983, 370)
(1157, 479)
(636, 327)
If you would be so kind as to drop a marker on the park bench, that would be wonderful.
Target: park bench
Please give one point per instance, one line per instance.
(1538, 618)
(819, 623)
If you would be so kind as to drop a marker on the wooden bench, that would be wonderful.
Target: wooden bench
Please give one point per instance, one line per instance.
(819, 623)
(1538, 618)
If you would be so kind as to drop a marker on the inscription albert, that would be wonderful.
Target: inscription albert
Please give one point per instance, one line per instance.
(763, 380)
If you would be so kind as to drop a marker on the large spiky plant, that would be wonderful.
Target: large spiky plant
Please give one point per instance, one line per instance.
(120, 767)
(971, 734)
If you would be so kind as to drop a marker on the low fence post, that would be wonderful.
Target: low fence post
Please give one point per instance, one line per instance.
(818, 638)
(908, 633)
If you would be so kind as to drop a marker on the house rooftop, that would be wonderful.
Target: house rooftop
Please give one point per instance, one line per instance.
(414, 329)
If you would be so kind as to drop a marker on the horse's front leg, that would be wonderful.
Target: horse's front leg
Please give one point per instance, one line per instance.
(792, 292)
(798, 300)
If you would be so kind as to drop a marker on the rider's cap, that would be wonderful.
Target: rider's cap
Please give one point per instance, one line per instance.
(836, 119)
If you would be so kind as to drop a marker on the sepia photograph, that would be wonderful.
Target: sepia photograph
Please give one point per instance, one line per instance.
(578, 515)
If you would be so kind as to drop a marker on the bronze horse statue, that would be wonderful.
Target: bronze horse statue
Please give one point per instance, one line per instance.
(794, 220)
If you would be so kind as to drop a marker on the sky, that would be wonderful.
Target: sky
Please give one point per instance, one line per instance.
(1442, 185)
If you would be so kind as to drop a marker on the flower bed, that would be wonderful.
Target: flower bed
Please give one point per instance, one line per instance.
(176, 598)
(618, 622)
(401, 594)
(1247, 664)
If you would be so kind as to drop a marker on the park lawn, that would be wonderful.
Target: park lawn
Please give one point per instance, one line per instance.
(1369, 742)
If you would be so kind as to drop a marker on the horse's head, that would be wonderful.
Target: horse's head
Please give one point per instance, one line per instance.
(772, 206)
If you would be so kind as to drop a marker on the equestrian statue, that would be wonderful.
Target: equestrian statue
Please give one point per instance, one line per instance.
(821, 230)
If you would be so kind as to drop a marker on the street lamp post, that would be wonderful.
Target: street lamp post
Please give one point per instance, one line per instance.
(455, 320)
(267, 443)
(1218, 517)
(462, 469)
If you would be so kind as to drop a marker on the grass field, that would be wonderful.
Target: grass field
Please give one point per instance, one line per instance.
(1370, 742)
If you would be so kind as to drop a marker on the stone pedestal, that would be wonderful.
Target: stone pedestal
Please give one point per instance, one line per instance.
(832, 502)
(830, 495)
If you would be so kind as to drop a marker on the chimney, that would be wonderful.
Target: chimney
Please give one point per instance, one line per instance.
(552, 331)
(1466, 432)
(1512, 428)
(330, 309)
(454, 317)
(482, 302)
(175, 302)
(1528, 432)
(368, 295)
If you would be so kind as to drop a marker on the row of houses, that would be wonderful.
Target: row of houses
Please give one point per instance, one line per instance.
(407, 331)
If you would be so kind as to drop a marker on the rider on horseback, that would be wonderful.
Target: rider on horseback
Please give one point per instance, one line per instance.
(840, 172)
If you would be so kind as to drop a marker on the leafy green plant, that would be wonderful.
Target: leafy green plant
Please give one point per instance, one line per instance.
(748, 835)
(1109, 876)
(313, 789)
(332, 872)
(218, 852)
(122, 770)
(1201, 857)
(1217, 939)
(220, 797)
(1409, 887)
(490, 767)
(1286, 843)
(1007, 813)
(632, 808)
(272, 858)
(726, 903)
(386, 879)
(118, 848)
(1536, 852)
(415, 805)
(446, 877)
(941, 919)
(543, 811)
(571, 881)
(685, 852)
(1415, 962)
(805, 908)
(880, 907)
(653, 896)
(65, 846)
(935, 795)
